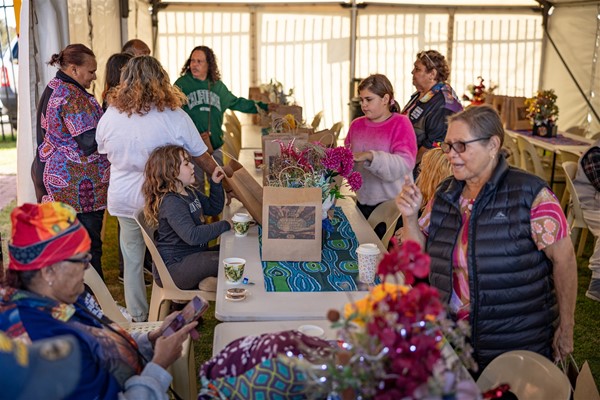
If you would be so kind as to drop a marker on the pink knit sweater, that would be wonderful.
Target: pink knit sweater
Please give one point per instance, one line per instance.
(394, 147)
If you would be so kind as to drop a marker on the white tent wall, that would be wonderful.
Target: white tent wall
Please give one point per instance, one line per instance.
(575, 31)
(43, 33)
(97, 25)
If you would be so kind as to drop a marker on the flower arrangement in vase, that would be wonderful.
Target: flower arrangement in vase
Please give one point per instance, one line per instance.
(543, 112)
(314, 165)
(476, 93)
(390, 343)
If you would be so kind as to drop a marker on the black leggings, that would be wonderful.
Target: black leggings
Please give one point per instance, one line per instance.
(193, 269)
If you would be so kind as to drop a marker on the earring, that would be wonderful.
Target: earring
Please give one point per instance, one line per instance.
(49, 283)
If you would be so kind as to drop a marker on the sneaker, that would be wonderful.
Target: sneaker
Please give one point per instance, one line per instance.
(593, 291)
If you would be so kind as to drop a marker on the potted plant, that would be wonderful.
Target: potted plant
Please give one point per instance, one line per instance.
(543, 112)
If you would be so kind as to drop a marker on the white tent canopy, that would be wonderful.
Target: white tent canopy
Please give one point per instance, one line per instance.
(48, 25)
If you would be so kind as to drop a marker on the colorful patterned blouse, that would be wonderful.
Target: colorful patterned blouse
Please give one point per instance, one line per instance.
(75, 176)
(548, 226)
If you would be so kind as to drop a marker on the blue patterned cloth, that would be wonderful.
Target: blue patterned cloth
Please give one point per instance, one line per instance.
(337, 271)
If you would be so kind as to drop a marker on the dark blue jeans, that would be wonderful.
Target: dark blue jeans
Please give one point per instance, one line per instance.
(92, 222)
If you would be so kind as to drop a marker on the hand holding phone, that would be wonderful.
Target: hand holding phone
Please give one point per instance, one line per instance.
(191, 312)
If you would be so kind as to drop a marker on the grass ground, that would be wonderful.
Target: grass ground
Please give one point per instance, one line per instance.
(8, 157)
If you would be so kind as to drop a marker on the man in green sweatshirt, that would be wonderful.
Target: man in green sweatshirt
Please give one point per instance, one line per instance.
(208, 97)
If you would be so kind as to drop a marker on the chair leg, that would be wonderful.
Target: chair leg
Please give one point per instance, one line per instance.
(184, 380)
(582, 240)
(155, 302)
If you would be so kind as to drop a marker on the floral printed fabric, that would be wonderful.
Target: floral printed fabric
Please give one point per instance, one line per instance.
(69, 175)
(245, 353)
(548, 226)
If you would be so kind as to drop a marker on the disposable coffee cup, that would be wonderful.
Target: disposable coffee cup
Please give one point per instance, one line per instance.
(241, 224)
(258, 159)
(234, 269)
(368, 255)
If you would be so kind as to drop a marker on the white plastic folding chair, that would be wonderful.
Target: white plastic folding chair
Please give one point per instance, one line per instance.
(162, 296)
(388, 213)
(575, 215)
(530, 376)
(183, 370)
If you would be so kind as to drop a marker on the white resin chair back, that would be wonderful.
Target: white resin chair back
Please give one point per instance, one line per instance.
(387, 213)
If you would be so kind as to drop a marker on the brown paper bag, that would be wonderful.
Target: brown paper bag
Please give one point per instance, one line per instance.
(282, 111)
(518, 115)
(291, 224)
(325, 137)
(585, 388)
(271, 148)
(246, 189)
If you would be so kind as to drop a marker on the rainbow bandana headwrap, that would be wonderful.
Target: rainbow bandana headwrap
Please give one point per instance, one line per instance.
(44, 234)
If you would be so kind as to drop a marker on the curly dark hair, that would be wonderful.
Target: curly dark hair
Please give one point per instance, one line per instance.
(213, 69)
(433, 59)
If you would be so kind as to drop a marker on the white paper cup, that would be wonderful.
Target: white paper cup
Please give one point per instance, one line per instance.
(241, 224)
(368, 255)
(234, 269)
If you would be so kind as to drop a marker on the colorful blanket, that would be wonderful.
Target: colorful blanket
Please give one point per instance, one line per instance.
(337, 271)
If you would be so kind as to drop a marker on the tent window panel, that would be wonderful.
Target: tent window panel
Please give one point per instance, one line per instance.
(227, 33)
(392, 51)
(504, 49)
(309, 53)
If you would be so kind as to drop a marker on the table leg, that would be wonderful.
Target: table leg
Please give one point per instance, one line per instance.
(552, 172)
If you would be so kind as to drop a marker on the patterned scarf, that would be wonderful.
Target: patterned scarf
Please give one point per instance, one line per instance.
(111, 346)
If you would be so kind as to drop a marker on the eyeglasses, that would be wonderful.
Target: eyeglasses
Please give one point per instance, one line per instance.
(85, 260)
(424, 54)
(459, 146)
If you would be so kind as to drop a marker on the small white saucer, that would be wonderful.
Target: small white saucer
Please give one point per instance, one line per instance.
(228, 298)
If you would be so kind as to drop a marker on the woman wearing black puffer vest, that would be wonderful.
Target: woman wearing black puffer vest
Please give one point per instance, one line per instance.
(501, 256)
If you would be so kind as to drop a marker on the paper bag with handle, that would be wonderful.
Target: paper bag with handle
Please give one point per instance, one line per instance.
(291, 224)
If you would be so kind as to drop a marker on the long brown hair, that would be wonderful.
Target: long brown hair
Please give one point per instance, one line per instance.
(161, 171)
(434, 168)
(213, 69)
(145, 84)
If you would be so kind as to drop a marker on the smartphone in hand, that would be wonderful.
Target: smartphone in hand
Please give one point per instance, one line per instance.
(191, 312)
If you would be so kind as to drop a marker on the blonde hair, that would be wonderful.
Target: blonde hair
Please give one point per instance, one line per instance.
(161, 177)
(145, 84)
(434, 168)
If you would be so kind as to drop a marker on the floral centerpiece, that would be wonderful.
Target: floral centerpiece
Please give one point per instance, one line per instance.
(476, 93)
(314, 165)
(390, 343)
(543, 112)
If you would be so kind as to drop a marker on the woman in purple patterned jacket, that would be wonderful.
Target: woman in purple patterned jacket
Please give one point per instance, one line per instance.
(67, 166)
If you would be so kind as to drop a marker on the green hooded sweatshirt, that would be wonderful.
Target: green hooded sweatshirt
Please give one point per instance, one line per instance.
(218, 99)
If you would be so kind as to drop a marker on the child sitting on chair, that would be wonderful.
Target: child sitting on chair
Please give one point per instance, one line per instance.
(179, 209)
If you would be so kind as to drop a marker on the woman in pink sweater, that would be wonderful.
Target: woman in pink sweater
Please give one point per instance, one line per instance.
(383, 143)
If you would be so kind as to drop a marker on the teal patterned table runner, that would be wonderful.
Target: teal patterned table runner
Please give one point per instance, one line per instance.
(337, 271)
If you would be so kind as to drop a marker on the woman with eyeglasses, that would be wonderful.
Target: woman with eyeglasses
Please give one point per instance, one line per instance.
(501, 255)
(433, 102)
(43, 296)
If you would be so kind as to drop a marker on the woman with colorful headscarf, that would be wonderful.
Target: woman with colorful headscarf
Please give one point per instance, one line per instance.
(433, 102)
(67, 166)
(43, 296)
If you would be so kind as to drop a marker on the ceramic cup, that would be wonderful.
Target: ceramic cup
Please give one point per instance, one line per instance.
(234, 269)
(312, 330)
(241, 224)
(368, 255)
